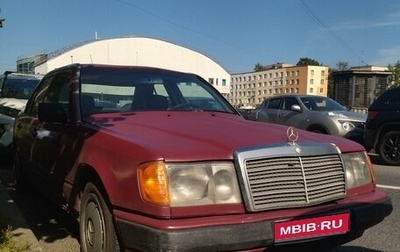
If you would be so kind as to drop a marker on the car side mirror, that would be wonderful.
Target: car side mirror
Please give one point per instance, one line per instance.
(296, 108)
(52, 112)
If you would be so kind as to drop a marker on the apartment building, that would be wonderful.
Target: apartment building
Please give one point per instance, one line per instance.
(250, 89)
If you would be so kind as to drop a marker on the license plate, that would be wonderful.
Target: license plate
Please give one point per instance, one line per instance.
(311, 227)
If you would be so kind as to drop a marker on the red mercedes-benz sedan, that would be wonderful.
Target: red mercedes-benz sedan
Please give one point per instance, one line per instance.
(157, 160)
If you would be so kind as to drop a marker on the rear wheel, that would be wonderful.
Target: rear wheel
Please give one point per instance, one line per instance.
(388, 148)
(96, 226)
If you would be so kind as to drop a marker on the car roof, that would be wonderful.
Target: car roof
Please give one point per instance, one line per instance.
(79, 65)
(293, 95)
(16, 75)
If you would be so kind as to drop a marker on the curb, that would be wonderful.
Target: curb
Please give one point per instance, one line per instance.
(21, 231)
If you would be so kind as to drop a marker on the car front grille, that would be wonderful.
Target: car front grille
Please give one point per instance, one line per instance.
(278, 182)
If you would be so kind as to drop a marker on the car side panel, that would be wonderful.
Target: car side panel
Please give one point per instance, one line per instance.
(291, 118)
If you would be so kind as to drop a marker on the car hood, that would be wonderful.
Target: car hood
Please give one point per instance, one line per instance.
(201, 135)
(14, 103)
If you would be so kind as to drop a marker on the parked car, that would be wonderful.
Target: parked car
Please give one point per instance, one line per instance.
(382, 130)
(159, 173)
(313, 113)
(15, 89)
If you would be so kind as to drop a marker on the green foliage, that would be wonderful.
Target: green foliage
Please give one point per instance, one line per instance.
(342, 65)
(394, 78)
(7, 243)
(258, 67)
(307, 62)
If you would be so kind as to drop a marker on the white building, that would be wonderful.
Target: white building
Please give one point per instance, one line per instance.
(139, 51)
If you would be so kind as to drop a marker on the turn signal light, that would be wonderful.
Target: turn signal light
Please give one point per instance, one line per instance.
(153, 183)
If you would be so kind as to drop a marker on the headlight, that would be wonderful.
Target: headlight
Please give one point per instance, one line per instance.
(347, 125)
(359, 170)
(187, 184)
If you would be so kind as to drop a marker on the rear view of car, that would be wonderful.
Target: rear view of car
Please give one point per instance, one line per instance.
(382, 131)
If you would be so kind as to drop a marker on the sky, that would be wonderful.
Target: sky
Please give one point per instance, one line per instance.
(237, 34)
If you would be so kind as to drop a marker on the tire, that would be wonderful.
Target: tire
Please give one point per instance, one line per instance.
(96, 225)
(388, 148)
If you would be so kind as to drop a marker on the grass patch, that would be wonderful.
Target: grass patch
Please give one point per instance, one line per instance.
(7, 243)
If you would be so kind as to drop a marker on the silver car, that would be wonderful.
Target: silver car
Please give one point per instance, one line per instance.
(313, 113)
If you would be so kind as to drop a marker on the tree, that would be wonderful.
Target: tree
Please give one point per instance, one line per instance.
(394, 77)
(258, 67)
(307, 62)
(342, 66)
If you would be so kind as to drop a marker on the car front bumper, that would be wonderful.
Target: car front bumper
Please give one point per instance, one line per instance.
(253, 236)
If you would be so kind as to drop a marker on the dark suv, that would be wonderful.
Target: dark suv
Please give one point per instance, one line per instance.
(15, 89)
(382, 131)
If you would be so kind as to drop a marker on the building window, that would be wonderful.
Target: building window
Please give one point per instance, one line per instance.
(311, 90)
(321, 90)
(223, 82)
(322, 82)
(311, 81)
(211, 81)
(312, 72)
(322, 73)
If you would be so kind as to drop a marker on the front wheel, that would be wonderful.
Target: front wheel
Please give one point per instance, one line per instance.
(96, 226)
(388, 148)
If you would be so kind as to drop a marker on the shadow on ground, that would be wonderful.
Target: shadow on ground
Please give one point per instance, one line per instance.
(49, 223)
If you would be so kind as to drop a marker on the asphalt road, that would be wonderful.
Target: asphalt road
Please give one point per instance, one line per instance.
(57, 231)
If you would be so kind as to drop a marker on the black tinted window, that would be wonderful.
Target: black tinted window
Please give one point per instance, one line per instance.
(19, 87)
(274, 104)
(289, 102)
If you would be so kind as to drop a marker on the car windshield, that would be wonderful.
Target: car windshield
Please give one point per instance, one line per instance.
(19, 87)
(322, 104)
(128, 89)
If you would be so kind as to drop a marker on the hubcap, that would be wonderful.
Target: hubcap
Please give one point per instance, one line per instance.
(392, 148)
(94, 227)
